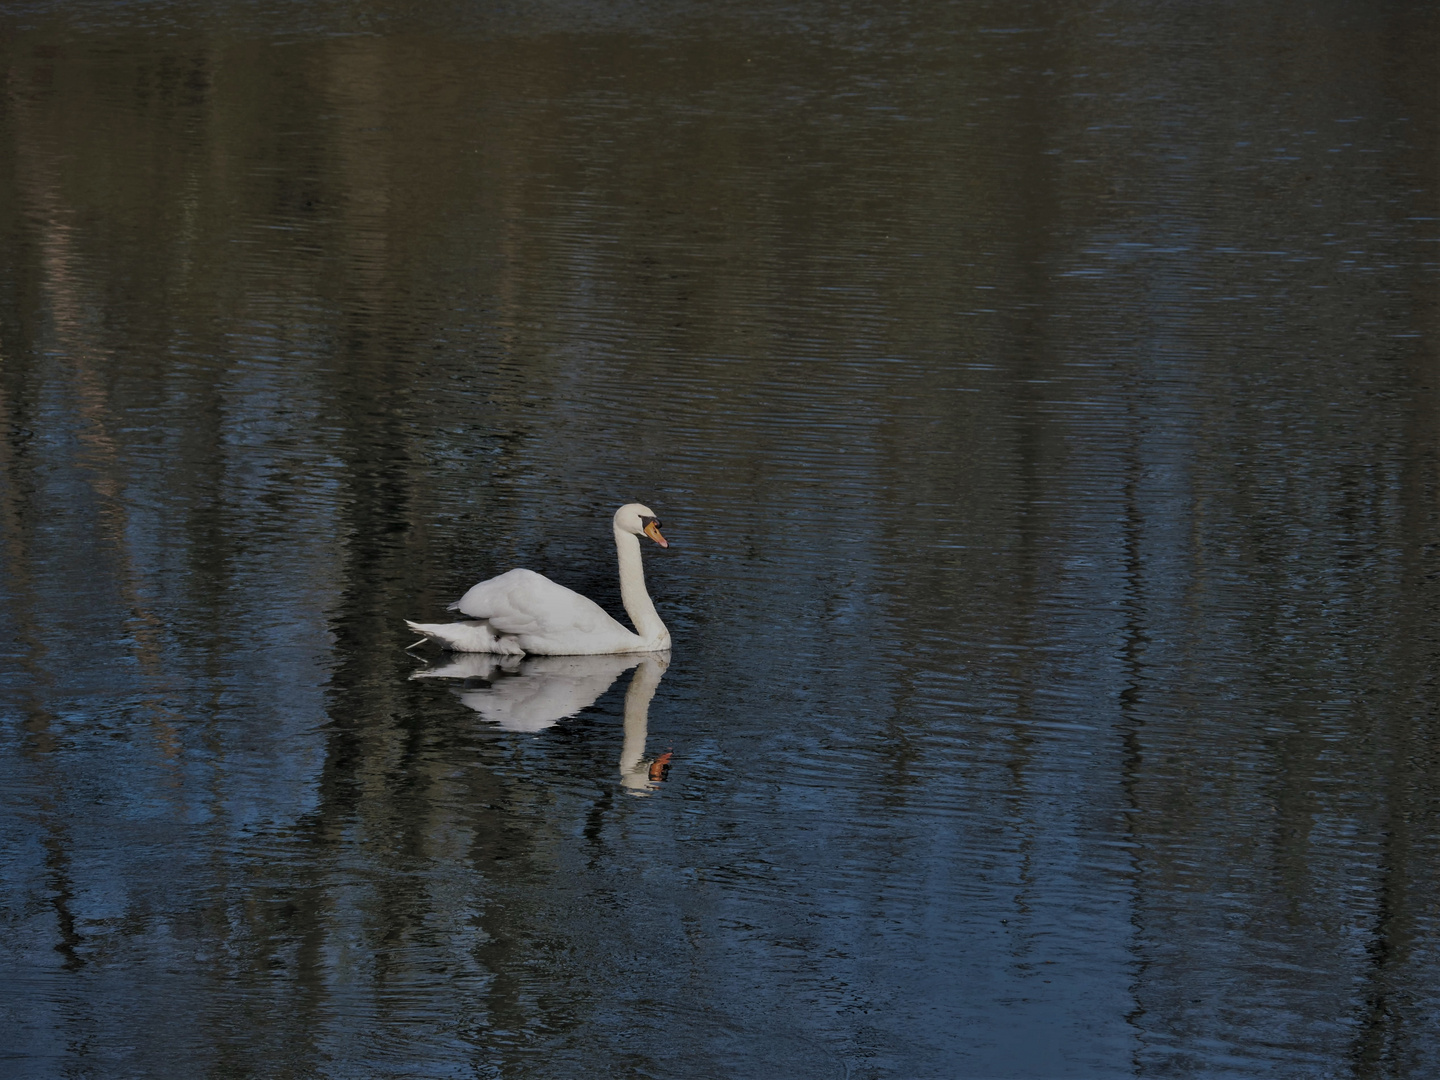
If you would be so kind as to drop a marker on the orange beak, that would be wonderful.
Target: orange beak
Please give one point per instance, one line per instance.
(653, 532)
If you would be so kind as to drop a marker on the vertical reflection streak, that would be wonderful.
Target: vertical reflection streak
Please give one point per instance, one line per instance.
(40, 744)
(1406, 732)
(1131, 720)
(101, 456)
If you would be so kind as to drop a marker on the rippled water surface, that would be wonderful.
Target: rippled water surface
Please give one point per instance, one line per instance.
(1041, 401)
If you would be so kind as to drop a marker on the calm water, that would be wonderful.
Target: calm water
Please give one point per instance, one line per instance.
(1042, 404)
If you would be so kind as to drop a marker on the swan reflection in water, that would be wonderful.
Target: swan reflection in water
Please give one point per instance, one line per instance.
(529, 694)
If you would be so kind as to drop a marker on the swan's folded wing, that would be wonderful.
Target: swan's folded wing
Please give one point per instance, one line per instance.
(524, 602)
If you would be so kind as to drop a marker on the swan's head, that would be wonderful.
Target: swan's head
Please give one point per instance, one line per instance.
(639, 520)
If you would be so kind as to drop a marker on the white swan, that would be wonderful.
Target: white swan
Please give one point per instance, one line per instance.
(523, 612)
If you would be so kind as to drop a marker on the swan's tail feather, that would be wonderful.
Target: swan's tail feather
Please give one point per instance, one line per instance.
(473, 637)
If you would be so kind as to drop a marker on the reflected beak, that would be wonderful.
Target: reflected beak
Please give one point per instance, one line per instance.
(652, 530)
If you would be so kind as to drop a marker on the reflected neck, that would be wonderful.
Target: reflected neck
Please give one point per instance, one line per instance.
(637, 712)
(634, 773)
(633, 594)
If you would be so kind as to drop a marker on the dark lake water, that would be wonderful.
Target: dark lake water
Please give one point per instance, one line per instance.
(1043, 407)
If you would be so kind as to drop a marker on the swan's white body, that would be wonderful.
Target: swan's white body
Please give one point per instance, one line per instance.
(522, 612)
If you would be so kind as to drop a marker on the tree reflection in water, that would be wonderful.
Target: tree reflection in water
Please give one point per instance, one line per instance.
(1044, 398)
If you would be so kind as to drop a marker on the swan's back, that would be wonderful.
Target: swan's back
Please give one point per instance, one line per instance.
(545, 616)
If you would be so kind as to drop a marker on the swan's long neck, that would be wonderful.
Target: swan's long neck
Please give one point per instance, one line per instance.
(632, 589)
